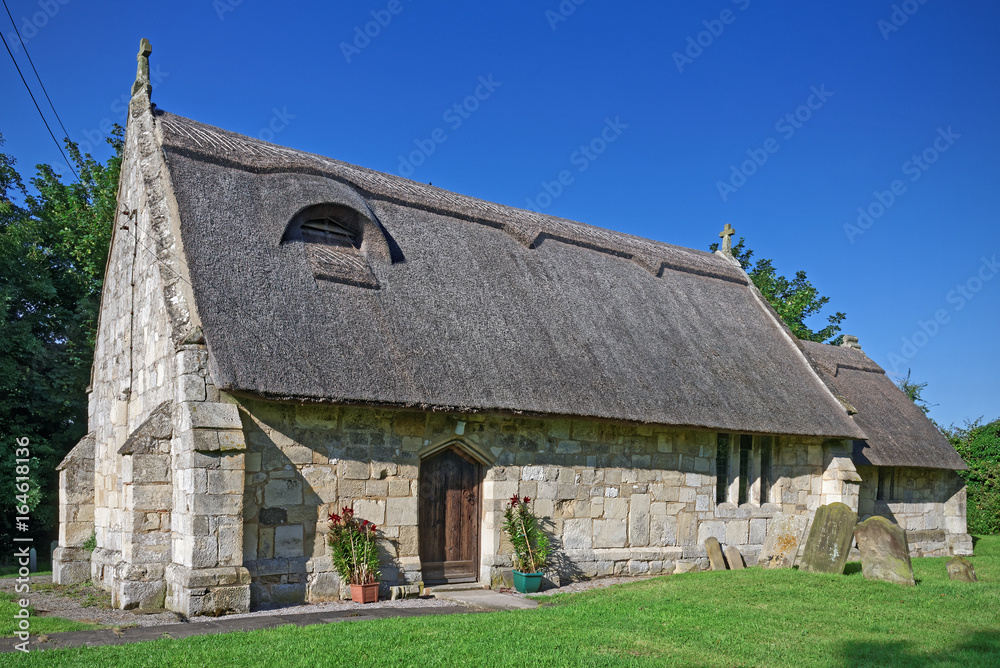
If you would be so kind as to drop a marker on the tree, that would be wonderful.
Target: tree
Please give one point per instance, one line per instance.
(794, 300)
(979, 446)
(912, 390)
(53, 250)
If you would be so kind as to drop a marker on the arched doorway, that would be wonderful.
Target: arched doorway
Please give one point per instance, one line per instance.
(449, 514)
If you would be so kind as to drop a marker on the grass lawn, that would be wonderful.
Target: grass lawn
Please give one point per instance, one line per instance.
(39, 625)
(737, 618)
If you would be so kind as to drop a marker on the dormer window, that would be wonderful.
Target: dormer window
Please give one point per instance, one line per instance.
(329, 230)
(333, 239)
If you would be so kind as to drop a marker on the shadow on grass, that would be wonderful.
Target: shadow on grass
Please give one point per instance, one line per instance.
(977, 649)
(852, 568)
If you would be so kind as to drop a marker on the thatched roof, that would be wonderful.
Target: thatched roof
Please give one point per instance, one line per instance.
(899, 434)
(454, 303)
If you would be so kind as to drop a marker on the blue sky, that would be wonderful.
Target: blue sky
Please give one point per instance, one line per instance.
(664, 120)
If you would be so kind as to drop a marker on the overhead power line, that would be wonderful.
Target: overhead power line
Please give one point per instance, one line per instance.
(32, 95)
(32, 63)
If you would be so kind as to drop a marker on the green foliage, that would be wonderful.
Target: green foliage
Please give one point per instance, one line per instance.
(354, 546)
(531, 545)
(750, 617)
(795, 300)
(912, 390)
(53, 250)
(979, 446)
(91, 543)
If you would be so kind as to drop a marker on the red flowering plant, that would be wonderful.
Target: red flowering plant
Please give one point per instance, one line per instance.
(353, 544)
(531, 545)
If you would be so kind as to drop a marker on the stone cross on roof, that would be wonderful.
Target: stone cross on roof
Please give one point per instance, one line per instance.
(142, 71)
(727, 238)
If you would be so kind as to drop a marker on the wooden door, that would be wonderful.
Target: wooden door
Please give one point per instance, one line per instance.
(449, 518)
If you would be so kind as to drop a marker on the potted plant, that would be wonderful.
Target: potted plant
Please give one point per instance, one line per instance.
(531, 545)
(355, 554)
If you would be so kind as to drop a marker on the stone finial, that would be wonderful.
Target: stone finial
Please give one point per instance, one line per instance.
(142, 71)
(848, 341)
(727, 238)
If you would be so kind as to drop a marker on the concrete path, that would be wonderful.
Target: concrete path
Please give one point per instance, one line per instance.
(224, 625)
(485, 599)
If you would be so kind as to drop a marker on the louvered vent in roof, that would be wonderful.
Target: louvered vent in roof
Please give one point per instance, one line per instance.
(333, 240)
(329, 230)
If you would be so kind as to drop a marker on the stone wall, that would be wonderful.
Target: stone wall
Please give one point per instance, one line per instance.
(71, 560)
(133, 357)
(144, 327)
(617, 498)
(928, 503)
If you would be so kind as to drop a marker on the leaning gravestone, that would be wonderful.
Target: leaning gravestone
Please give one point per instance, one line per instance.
(733, 557)
(714, 550)
(829, 539)
(781, 544)
(960, 568)
(884, 552)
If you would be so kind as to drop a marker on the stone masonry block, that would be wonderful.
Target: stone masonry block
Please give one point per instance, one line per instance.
(373, 511)
(288, 540)
(231, 439)
(149, 497)
(191, 361)
(190, 387)
(714, 529)
(638, 520)
(225, 481)
(216, 504)
(737, 532)
(401, 511)
(206, 415)
(283, 492)
(352, 469)
(150, 468)
(615, 508)
(578, 534)
(610, 533)
(200, 440)
(758, 530)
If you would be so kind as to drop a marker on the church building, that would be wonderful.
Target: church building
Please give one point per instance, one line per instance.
(282, 335)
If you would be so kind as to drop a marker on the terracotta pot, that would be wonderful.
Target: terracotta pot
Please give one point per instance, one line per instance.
(364, 593)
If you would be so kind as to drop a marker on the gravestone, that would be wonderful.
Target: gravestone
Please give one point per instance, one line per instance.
(960, 568)
(733, 558)
(884, 552)
(829, 539)
(781, 543)
(714, 550)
